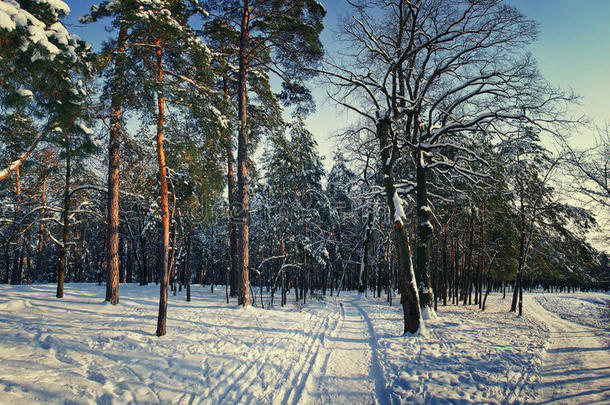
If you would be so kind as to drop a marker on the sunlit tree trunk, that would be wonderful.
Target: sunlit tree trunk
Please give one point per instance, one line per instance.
(112, 226)
(164, 248)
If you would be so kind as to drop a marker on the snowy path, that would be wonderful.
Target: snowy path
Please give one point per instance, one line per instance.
(576, 366)
(348, 372)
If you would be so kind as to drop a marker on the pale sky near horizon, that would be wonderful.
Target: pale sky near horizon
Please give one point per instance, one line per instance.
(573, 52)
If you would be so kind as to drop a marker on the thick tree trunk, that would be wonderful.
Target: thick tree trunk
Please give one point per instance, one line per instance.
(164, 248)
(61, 270)
(407, 285)
(242, 161)
(112, 226)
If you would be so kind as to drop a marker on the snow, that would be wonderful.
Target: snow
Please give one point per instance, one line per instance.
(85, 128)
(581, 308)
(339, 350)
(576, 362)
(6, 22)
(399, 213)
(56, 5)
(25, 93)
(428, 225)
(38, 35)
(10, 167)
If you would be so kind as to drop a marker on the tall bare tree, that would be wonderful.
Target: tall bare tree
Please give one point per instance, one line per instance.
(427, 75)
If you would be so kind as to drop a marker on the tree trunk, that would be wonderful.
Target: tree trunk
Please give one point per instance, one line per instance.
(164, 248)
(187, 267)
(43, 201)
(242, 160)
(64, 248)
(521, 264)
(233, 260)
(407, 285)
(365, 265)
(283, 271)
(482, 257)
(112, 226)
(16, 276)
(468, 272)
(423, 231)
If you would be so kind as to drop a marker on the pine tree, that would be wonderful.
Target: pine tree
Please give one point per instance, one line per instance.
(116, 84)
(175, 62)
(283, 37)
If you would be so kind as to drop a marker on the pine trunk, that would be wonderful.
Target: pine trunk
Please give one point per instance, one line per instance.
(233, 261)
(242, 162)
(164, 248)
(16, 276)
(112, 226)
(61, 271)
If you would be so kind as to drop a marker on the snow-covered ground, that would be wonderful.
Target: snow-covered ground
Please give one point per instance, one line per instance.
(345, 350)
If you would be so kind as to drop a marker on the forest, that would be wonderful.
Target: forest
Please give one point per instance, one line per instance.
(179, 154)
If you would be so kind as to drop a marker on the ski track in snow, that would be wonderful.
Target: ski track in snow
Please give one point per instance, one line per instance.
(340, 350)
(349, 372)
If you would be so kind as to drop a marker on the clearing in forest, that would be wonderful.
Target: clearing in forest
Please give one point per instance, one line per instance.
(339, 350)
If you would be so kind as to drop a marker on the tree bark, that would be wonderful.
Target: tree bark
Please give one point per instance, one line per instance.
(112, 225)
(409, 297)
(164, 248)
(242, 161)
(187, 266)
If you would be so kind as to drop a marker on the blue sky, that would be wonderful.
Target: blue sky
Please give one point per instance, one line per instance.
(573, 52)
